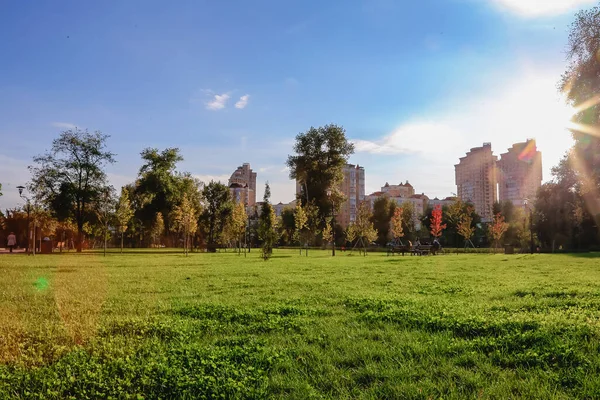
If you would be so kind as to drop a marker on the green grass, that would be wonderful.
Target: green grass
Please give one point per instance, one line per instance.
(159, 325)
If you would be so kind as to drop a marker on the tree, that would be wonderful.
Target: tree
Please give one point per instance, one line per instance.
(383, 211)
(123, 213)
(436, 226)
(497, 228)
(408, 218)
(465, 228)
(581, 85)
(104, 213)
(327, 233)
(158, 227)
(321, 154)
(70, 178)
(158, 186)
(288, 224)
(300, 220)
(185, 219)
(350, 233)
(239, 219)
(397, 228)
(218, 208)
(365, 232)
(267, 225)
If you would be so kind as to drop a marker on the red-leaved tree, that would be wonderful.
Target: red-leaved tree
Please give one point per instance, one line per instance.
(436, 222)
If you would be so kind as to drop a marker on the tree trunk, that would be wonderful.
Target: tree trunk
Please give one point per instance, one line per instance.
(122, 242)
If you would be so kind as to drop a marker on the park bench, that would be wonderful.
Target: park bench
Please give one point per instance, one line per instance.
(393, 249)
(423, 249)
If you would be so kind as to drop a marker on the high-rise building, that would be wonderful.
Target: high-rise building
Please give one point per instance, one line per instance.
(352, 187)
(242, 185)
(476, 180)
(519, 172)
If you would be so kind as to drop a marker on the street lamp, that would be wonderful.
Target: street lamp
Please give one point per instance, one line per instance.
(329, 194)
(527, 207)
(21, 188)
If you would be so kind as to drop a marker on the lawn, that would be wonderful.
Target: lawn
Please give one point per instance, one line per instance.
(160, 325)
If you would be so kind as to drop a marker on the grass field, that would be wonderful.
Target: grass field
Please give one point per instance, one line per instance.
(159, 325)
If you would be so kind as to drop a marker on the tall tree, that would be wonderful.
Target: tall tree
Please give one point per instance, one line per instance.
(157, 185)
(267, 225)
(321, 154)
(383, 211)
(581, 84)
(70, 178)
(123, 213)
(436, 225)
(218, 208)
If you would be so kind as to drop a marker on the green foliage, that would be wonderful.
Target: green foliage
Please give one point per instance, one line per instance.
(267, 225)
(70, 178)
(321, 153)
(123, 211)
(185, 220)
(383, 211)
(300, 220)
(158, 186)
(288, 225)
(218, 208)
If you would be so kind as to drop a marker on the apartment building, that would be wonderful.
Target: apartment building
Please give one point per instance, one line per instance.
(352, 187)
(476, 180)
(519, 173)
(242, 185)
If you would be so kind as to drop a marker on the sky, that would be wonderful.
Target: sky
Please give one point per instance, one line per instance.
(415, 84)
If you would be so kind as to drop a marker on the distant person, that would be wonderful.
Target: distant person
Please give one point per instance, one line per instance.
(12, 241)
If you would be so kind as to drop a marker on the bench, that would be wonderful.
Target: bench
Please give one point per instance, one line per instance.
(397, 249)
(423, 249)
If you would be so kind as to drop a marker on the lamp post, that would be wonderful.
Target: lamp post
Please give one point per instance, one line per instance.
(329, 194)
(526, 204)
(29, 252)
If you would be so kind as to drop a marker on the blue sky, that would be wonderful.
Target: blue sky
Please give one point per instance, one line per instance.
(415, 84)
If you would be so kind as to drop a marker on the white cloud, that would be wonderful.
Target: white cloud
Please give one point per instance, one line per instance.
(242, 102)
(64, 125)
(218, 102)
(529, 107)
(535, 8)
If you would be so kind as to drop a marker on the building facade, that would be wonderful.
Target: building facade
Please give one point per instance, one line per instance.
(520, 173)
(476, 180)
(243, 180)
(352, 187)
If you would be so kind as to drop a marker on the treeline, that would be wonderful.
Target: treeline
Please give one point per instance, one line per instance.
(71, 200)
